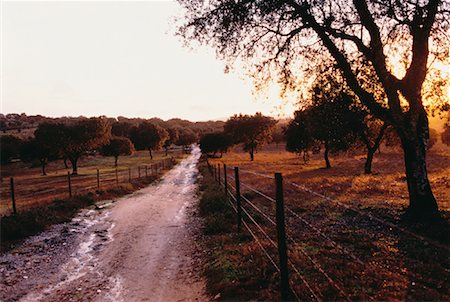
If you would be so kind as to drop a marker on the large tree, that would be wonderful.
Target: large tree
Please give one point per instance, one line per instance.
(82, 136)
(252, 131)
(148, 136)
(395, 38)
(186, 137)
(46, 144)
(117, 146)
(329, 121)
(212, 143)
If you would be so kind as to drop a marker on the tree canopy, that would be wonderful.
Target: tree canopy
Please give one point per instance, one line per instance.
(212, 143)
(252, 131)
(287, 42)
(117, 146)
(83, 136)
(148, 136)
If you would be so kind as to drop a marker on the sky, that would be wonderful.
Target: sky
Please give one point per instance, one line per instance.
(115, 58)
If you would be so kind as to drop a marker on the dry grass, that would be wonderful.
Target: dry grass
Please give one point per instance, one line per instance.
(339, 250)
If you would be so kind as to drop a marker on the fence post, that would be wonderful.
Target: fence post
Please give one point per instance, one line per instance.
(139, 172)
(117, 178)
(129, 174)
(218, 173)
(238, 197)
(98, 179)
(281, 236)
(225, 179)
(146, 171)
(13, 196)
(69, 183)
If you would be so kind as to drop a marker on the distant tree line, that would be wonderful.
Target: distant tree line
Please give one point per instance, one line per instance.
(71, 138)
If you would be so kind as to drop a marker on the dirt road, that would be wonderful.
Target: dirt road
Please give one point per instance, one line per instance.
(140, 248)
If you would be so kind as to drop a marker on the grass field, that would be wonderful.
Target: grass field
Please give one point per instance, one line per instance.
(351, 245)
(34, 189)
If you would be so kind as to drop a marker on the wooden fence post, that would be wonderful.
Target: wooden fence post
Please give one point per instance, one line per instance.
(98, 179)
(139, 172)
(146, 171)
(117, 178)
(13, 196)
(286, 293)
(218, 173)
(225, 179)
(238, 198)
(129, 174)
(69, 183)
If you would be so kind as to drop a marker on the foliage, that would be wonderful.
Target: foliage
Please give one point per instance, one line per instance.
(117, 146)
(9, 148)
(252, 131)
(214, 142)
(291, 39)
(174, 133)
(148, 136)
(83, 136)
(186, 137)
(121, 129)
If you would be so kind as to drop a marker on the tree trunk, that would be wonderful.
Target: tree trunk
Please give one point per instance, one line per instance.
(252, 154)
(116, 158)
(369, 159)
(74, 161)
(43, 165)
(325, 156)
(422, 204)
(150, 152)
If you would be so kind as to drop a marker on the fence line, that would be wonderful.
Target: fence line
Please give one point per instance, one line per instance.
(358, 211)
(317, 230)
(21, 191)
(315, 263)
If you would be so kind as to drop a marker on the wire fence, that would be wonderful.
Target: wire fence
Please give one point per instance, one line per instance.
(321, 260)
(24, 193)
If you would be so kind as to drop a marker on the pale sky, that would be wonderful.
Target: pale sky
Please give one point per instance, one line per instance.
(113, 58)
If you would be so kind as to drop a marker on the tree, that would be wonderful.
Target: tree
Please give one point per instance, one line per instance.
(252, 131)
(9, 148)
(83, 136)
(278, 135)
(117, 146)
(277, 38)
(299, 135)
(371, 131)
(148, 136)
(174, 133)
(214, 143)
(332, 122)
(46, 145)
(445, 135)
(186, 137)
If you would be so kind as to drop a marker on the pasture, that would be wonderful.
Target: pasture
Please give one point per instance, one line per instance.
(346, 239)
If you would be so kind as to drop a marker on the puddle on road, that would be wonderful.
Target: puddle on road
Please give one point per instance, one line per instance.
(46, 262)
